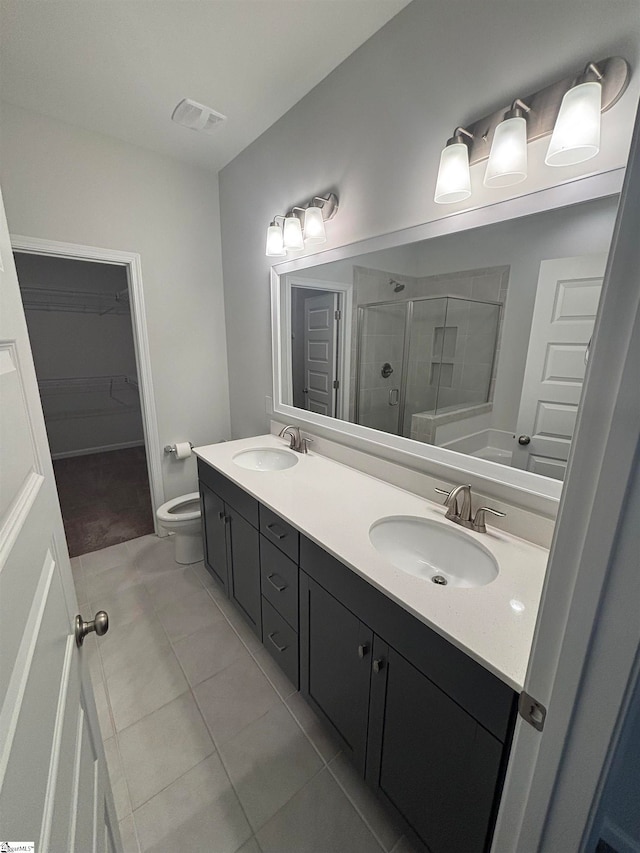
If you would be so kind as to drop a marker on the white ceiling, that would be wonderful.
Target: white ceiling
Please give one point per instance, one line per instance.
(119, 67)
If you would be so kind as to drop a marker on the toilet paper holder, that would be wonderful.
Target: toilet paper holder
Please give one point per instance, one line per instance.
(171, 448)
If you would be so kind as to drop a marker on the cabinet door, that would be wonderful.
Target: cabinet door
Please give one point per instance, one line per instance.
(214, 528)
(335, 658)
(245, 568)
(429, 759)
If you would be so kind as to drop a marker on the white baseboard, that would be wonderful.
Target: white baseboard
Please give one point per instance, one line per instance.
(618, 838)
(103, 449)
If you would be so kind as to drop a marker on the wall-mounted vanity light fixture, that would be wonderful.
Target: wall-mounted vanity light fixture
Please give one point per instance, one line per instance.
(568, 111)
(301, 226)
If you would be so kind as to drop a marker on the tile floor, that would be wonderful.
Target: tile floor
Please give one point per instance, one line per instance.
(209, 747)
(105, 498)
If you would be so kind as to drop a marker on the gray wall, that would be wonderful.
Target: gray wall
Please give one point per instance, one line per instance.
(373, 131)
(66, 184)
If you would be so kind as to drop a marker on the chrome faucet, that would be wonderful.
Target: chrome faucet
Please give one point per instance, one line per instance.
(296, 442)
(462, 515)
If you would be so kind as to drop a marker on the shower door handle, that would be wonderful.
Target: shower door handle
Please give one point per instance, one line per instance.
(394, 396)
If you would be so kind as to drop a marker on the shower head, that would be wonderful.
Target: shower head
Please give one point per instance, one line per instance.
(396, 285)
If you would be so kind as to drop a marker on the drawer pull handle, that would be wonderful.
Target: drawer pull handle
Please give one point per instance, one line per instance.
(378, 664)
(274, 584)
(363, 649)
(279, 648)
(272, 530)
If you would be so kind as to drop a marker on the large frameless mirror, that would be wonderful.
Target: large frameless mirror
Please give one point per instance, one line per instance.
(472, 342)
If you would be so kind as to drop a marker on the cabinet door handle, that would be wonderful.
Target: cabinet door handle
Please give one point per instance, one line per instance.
(221, 515)
(363, 649)
(378, 664)
(279, 648)
(225, 518)
(271, 529)
(274, 584)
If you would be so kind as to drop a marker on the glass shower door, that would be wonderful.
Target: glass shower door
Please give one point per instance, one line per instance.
(381, 342)
(431, 343)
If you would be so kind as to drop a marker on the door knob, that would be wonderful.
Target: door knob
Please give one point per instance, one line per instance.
(524, 439)
(99, 624)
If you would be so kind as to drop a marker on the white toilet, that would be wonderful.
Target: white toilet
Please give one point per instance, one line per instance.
(181, 516)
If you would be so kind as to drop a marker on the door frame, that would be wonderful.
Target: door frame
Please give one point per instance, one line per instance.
(133, 266)
(344, 334)
(585, 658)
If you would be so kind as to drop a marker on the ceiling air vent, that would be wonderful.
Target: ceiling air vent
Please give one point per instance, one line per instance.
(197, 116)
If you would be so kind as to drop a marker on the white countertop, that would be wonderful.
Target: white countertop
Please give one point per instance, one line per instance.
(335, 506)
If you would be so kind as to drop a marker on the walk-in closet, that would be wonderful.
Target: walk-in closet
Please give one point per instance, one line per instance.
(79, 322)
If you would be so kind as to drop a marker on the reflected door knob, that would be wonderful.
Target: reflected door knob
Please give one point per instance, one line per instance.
(524, 439)
(99, 624)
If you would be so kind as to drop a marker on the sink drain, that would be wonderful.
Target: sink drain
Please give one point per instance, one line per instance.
(439, 580)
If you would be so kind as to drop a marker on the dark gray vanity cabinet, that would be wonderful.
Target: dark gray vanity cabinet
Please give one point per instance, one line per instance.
(279, 543)
(335, 666)
(428, 759)
(214, 535)
(429, 728)
(232, 541)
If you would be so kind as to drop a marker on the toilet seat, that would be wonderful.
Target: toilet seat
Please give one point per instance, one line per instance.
(169, 511)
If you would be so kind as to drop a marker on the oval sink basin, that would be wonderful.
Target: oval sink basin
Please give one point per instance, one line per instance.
(265, 459)
(430, 550)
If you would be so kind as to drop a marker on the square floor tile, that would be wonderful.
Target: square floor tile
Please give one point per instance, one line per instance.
(104, 714)
(318, 819)
(383, 826)
(268, 761)
(155, 560)
(273, 672)
(154, 679)
(317, 732)
(107, 558)
(128, 835)
(110, 582)
(189, 613)
(161, 747)
(170, 585)
(197, 812)
(126, 643)
(235, 697)
(208, 651)
(123, 607)
(117, 778)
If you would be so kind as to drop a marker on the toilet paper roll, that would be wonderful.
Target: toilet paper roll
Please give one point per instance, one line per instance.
(183, 449)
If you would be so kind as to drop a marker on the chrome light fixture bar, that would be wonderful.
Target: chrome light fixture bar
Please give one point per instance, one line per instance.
(567, 106)
(302, 225)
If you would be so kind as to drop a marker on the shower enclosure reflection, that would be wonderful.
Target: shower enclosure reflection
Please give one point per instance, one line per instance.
(424, 362)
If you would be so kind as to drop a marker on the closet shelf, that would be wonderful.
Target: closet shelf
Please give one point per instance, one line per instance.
(88, 396)
(78, 301)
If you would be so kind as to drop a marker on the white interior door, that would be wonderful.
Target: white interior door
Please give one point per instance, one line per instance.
(54, 789)
(563, 319)
(320, 353)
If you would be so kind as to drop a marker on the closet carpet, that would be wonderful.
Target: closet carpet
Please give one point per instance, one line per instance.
(105, 498)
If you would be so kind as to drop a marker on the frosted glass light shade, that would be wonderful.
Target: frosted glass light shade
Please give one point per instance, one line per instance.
(275, 243)
(454, 180)
(293, 233)
(508, 157)
(314, 226)
(576, 135)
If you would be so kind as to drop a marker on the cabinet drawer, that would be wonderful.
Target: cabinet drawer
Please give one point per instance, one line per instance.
(281, 641)
(279, 581)
(231, 494)
(279, 532)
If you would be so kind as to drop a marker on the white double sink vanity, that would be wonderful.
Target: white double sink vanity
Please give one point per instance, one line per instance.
(406, 633)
